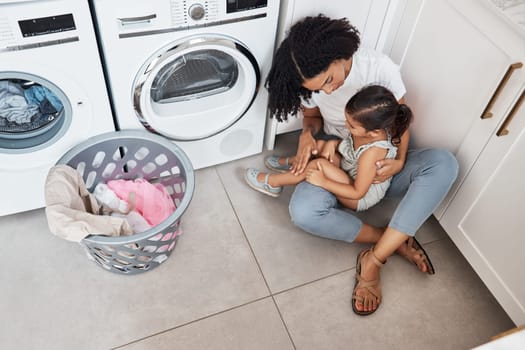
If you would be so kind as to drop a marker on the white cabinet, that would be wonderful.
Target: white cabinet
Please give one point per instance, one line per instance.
(463, 65)
(373, 19)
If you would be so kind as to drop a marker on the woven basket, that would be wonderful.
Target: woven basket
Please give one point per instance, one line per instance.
(130, 155)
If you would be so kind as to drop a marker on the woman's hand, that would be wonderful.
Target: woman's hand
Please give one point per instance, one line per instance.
(387, 168)
(329, 150)
(316, 176)
(306, 148)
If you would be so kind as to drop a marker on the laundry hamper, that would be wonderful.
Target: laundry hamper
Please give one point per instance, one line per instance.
(130, 155)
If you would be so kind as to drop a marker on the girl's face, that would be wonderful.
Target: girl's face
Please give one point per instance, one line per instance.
(355, 128)
(331, 79)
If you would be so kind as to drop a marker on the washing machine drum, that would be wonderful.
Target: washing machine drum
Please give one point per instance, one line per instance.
(197, 88)
(34, 112)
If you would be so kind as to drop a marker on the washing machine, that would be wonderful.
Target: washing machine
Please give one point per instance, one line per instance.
(52, 93)
(191, 70)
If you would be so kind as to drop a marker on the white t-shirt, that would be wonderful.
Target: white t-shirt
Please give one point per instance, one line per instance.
(368, 67)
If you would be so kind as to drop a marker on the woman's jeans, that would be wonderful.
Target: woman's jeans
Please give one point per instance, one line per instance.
(422, 184)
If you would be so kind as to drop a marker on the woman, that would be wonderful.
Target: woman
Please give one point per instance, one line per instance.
(316, 69)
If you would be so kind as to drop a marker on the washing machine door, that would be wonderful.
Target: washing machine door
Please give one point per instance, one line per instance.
(34, 112)
(196, 88)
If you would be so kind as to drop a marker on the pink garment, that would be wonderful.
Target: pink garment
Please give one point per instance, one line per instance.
(152, 201)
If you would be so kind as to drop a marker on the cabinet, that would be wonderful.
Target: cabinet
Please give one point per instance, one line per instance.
(373, 19)
(463, 65)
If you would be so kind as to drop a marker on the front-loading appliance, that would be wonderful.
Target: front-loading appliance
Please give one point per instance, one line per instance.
(191, 70)
(52, 93)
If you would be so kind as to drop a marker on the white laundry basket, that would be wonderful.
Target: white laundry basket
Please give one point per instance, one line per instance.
(130, 155)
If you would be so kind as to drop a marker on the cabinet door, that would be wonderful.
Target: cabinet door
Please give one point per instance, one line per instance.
(484, 219)
(452, 67)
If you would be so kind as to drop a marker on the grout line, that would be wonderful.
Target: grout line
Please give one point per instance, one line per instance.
(313, 281)
(272, 296)
(192, 321)
(257, 262)
(244, 234)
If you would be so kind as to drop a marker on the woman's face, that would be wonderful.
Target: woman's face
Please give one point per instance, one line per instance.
(329, 80)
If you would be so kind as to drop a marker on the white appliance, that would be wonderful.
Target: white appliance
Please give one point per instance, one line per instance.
(191, 70)
(52, 93)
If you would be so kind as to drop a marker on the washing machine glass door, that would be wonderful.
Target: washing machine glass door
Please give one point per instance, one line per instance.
(34, 112)
(196, 88)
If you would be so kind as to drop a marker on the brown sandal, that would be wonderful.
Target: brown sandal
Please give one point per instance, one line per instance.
(372, 287)
(415, 250)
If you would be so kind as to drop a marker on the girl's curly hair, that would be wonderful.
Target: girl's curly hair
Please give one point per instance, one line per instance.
(311, 46)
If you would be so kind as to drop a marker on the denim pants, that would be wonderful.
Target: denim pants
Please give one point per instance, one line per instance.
(422, 184)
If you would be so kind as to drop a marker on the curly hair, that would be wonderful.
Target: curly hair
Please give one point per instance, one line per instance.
(311, 46)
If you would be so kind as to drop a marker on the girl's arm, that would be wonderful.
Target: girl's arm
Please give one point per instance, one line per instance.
(366, 171)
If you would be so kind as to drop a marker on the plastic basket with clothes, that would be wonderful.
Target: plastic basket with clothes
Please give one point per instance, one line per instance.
(130, 155)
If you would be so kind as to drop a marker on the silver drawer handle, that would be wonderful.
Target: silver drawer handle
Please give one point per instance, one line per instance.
(133, 20)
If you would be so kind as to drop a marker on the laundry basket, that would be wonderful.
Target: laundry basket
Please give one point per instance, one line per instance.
(130, 155)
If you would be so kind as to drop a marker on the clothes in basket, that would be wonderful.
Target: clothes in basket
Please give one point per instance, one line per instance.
(152, 201)
(72, 211)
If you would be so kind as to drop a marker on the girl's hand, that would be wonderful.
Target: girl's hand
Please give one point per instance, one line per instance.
(316, 176)
(387, 168)
(306, 148)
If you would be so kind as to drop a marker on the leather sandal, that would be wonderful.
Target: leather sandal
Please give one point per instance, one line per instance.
(372, 287)
(414, 251)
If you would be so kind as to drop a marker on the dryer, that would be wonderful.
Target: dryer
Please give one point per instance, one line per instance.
(52, 93)
(191, 70)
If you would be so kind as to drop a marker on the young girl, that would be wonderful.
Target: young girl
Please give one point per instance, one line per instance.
(375, 122)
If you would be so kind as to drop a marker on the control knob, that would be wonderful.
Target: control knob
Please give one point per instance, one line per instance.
(196, 12)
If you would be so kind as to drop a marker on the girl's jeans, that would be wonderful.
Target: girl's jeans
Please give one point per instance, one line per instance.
(422, 184)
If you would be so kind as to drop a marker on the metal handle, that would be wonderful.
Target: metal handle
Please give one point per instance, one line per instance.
(133, 20)
(487, 112)
(502, 131)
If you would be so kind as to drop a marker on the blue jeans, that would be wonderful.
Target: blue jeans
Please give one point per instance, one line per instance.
(422, 184)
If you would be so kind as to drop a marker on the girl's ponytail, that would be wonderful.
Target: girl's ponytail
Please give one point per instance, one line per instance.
(403, 118)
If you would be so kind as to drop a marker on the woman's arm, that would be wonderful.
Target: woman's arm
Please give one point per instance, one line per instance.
(312, 123)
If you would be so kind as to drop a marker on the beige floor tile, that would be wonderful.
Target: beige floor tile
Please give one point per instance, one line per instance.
(450, 310)
(213, 292)
(254, 326)
(53, 297)
(287, 255)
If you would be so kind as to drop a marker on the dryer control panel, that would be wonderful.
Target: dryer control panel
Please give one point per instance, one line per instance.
(243, 5)
(159, 16)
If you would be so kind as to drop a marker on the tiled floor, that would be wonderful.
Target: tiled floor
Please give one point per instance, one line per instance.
(241, 277)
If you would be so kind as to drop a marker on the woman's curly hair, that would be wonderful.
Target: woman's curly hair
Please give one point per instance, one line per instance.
(311, 46)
